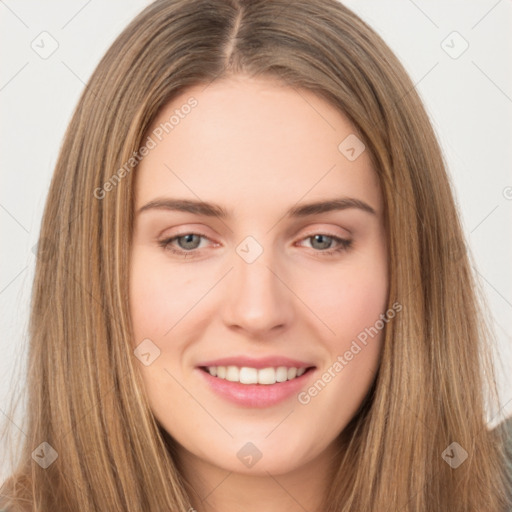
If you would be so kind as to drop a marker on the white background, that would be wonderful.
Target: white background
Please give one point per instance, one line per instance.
(469, 100)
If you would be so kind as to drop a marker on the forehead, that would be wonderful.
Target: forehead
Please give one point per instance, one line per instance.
(243, 139)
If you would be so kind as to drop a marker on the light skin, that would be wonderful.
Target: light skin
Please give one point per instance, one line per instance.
(256, 148)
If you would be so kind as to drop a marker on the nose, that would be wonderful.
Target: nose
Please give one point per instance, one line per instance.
(258, 299)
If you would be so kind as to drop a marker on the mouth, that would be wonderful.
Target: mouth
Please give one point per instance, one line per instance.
(262, 376)
(259, 385)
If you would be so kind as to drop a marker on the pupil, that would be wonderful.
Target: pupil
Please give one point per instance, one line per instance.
(188, 240)
(325, 244)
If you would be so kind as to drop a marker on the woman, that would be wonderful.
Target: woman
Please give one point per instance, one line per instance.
(320, 348)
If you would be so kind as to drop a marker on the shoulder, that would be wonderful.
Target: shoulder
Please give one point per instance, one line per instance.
(505, 429)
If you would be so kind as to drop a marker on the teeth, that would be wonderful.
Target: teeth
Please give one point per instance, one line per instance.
(233, 374)
(247, 375)
(267, 376)
(282, 374)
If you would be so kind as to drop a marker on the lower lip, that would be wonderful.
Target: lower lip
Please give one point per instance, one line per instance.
(256, 395)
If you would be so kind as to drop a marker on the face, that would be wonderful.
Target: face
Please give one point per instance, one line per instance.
(257, 319)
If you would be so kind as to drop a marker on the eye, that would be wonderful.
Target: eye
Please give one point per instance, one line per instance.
(187, 243)
(323, 242)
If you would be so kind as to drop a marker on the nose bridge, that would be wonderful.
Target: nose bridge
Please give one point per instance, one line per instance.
(257, 299)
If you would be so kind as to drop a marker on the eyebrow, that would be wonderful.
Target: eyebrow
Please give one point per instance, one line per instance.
(214, 210)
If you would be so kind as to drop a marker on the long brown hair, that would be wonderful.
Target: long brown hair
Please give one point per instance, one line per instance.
(85, 394)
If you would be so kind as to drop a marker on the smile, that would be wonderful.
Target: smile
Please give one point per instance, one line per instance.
(246, 386)
(247, 375)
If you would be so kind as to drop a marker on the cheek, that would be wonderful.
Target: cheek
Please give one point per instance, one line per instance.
(156, 305)
(159, 296)
(348, 299)
(350, 304)
(147, 299)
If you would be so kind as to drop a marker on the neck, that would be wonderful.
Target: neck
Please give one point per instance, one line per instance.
(213, 489)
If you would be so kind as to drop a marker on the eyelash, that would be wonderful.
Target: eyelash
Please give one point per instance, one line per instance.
(343, 245)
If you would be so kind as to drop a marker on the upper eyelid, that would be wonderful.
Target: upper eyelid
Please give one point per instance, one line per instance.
(309, 232)
(305, 236)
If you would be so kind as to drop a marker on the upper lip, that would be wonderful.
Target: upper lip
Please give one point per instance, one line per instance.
(263, 362)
